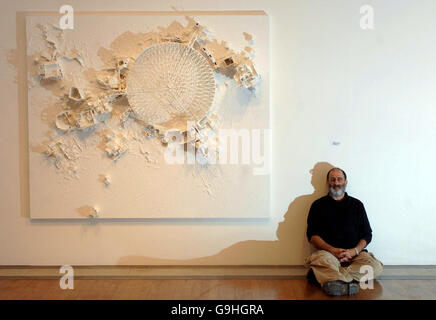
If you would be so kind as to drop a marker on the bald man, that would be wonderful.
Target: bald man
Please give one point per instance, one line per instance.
(338, 227)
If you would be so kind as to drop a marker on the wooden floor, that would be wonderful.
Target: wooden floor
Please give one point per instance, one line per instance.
(207, 289)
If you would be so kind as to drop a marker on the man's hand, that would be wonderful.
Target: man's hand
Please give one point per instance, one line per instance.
(343, 255)
(347, 255)
(338, 252)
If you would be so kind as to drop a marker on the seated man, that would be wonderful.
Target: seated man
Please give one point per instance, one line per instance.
(338, 227)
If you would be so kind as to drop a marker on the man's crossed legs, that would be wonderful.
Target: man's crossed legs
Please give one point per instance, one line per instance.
(336, 279)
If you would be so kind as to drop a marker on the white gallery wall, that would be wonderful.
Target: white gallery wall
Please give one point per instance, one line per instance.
(363, 100)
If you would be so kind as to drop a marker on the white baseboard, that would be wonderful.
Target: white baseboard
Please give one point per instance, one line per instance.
(407, 272)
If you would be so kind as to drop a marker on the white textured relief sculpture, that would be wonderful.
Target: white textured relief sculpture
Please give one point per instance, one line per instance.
(112, 100)
(171, 81)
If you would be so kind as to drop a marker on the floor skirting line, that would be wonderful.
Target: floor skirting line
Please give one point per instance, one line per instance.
(414, 272)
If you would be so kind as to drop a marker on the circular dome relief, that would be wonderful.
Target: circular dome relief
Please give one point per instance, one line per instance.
(170, 84)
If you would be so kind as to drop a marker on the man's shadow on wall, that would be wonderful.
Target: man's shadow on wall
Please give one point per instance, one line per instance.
(292, 244)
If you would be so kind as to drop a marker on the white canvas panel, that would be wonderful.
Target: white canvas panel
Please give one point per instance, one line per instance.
(141, 183)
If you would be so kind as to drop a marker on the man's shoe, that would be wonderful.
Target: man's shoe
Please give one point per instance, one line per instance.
(340, 288)
(312, 279)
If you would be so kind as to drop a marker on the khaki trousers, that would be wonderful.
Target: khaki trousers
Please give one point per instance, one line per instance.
(327, 267)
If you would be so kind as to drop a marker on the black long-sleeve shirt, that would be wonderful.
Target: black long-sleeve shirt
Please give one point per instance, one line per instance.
(342, 224)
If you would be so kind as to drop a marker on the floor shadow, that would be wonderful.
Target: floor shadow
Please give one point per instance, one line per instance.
(291, 245)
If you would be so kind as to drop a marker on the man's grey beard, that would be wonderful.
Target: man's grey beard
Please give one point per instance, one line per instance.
(336, 193)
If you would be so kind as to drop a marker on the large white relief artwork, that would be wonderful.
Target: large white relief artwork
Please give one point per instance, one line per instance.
(149, 116)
